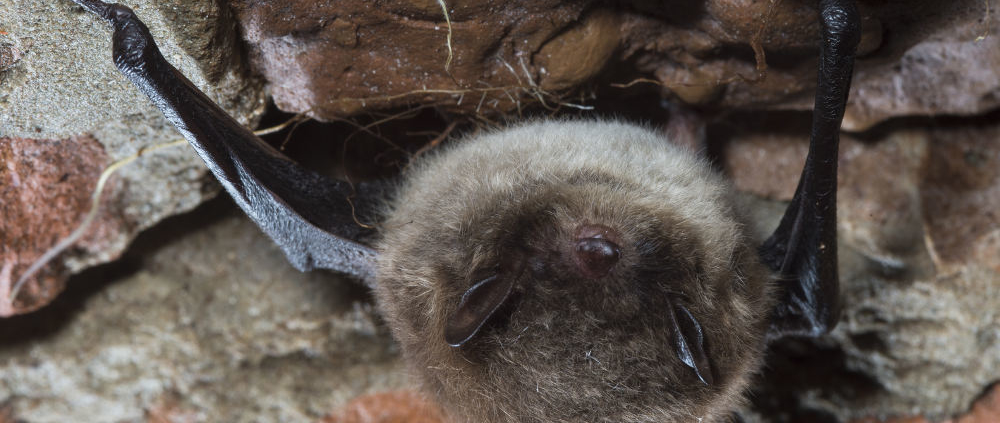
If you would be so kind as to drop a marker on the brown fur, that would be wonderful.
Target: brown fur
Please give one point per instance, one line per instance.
(567, 348)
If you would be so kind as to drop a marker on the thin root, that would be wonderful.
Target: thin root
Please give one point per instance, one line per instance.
(294, 120)
(95, 206)
(758, 46)
(434, 142)
(986, 23)
(447, 20)
(533, 91)
(738, 77)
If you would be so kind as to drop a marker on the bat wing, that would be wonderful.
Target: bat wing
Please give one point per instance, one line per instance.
(803, 249)
(311, 217)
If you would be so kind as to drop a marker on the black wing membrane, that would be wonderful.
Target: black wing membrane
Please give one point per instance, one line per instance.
(803, 249)
(311, 217)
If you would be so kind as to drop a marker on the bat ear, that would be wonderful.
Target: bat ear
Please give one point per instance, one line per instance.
(478, 304)
(803, 249)
(689, 342)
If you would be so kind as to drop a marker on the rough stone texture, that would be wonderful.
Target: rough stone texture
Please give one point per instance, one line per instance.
(65, 83)
(985, 410)
(961, 197)
(9, 56)
(920, 269)
(916, 57)
(45, 189)
(879, 183)
(938, 59)
(335, 58)
(206, 320)
(578, 53)
(58, 81)
(329, 59)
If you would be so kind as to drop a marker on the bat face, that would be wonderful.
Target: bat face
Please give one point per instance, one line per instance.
(591, 256)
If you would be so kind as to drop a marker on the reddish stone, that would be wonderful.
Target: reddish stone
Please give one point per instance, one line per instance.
(168, 410)
(984, 410)
(944, 181)
(7, 414)
(893, 420)
(331, 59)
(388, 407)
(45, 190)
(335, 58)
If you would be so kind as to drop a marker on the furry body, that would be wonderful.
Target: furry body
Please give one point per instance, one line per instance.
(568, 347)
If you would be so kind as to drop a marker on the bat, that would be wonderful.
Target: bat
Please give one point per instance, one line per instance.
(556, 270)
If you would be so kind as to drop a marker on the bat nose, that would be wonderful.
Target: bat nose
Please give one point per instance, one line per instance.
(596, 252)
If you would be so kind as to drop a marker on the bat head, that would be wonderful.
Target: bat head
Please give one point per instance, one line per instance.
(573, 271)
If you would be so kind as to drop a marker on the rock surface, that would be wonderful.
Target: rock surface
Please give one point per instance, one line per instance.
(938, 59)
(337, 58)
(58, 83)
(920, 269)
(45, 189)
(387, 407)
(204, 318)
(985, 410)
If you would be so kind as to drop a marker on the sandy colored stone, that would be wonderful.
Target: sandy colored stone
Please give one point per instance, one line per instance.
(65, 83)
(202, 320)
(766, 164)
(880, 183)
(961, 196)
(919, 268)
(880, 205)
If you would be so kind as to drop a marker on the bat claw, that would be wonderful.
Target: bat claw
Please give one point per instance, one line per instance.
(118, 15)
(96, 7)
